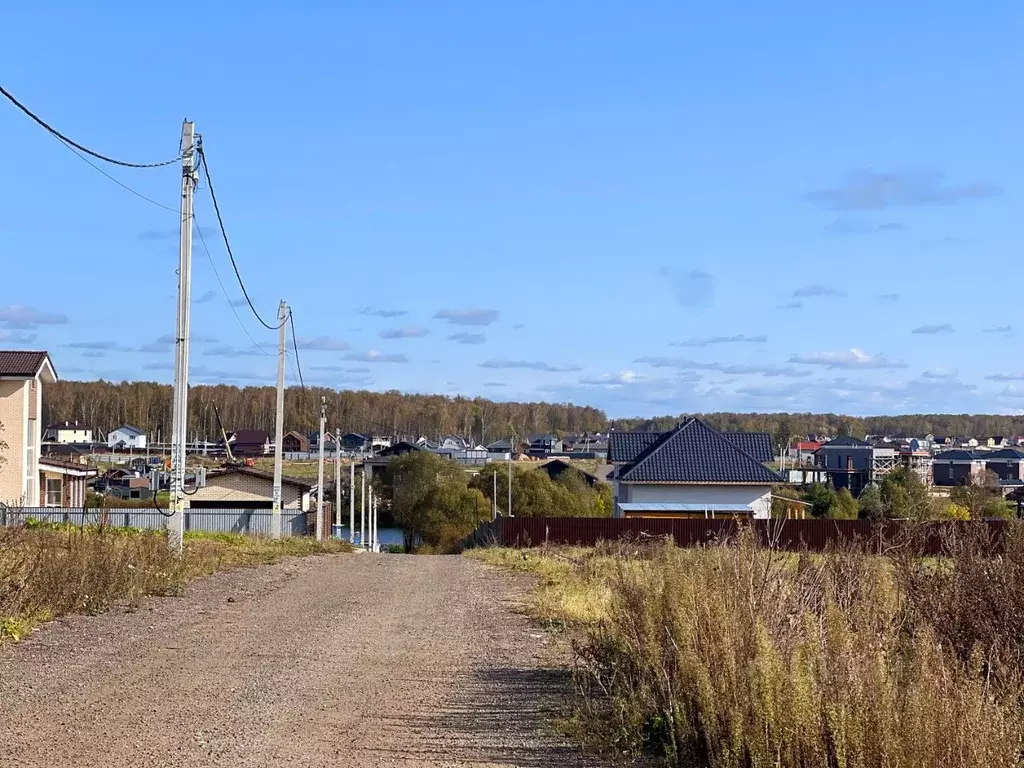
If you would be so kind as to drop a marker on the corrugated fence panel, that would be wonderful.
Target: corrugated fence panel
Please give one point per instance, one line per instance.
(813, 535)
(243, 521)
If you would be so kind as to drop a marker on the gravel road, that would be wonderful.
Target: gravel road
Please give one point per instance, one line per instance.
(348, 660)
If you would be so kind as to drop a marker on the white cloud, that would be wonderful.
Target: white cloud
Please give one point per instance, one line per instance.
(854, 358)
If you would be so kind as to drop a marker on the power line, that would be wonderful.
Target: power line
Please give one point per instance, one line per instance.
(119, 183)
(223, 290)
(227, 245)
(295, 350)
(75, 144)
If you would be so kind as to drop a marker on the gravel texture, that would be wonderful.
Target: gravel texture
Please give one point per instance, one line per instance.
(348, 660)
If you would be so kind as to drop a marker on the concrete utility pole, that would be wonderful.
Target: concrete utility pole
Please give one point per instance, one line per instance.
(320, 473)
(275, 513)
(494, 495)
(370, 504)
(373, 540)
(337, 480)
(179, 430)
(351, 502)
(362, 508)
(513, 441)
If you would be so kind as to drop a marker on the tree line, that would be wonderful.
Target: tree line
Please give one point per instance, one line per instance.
(103, 406)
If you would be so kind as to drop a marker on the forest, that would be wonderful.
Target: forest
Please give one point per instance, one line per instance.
(104, 405)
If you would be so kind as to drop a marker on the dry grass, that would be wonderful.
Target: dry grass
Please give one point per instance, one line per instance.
(45, 573)
(739, 657)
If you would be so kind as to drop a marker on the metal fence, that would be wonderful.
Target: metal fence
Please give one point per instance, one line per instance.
(243, 521)
(812, 535)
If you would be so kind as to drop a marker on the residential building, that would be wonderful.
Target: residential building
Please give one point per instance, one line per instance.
(353, 441)
(997, 441)
(1007, 463)
(67, 432)
(127, 437)
(848, 463)
(691, 471)
(956, 467)
(380, 442)
(248, 488)
(544, 445)
(453, 443)
(500, 446)
(249, 442)
(22, 378)
(295, 442)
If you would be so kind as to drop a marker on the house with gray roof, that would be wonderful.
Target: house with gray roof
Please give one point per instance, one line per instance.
(691, 471)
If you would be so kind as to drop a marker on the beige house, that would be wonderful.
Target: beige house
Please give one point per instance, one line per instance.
(63, 483)
(67, 433)
(22, 376)
(248, 488)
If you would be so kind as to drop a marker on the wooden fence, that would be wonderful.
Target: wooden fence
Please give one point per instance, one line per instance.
(813, 535)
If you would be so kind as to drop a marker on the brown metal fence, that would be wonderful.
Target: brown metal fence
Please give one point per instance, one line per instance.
(812, 535)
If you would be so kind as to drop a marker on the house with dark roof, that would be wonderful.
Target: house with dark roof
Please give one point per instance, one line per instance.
(544, 445)
(353, 441)
(957, 467)
(691, 471)
(848, 463)
(67, 432)
(556, 467)
(22, 378)
(249, 442)
(1007, 463)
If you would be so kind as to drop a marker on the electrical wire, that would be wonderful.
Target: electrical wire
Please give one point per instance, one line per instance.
(223, 290)
(295, 350)
(220, 221)
(75, 144)
(119, 183)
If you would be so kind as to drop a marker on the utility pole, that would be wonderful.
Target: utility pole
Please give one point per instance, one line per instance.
(320, 473)
(275, 513)
(513, 441)
(351, 501)
(337, 481)
(362, 508)
(176, 520)
(373, 539)
(494, 495)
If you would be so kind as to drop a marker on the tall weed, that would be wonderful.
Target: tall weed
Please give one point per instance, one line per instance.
(739, 656)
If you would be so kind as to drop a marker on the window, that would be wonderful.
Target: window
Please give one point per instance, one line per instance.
(849, 462)
(54, 491)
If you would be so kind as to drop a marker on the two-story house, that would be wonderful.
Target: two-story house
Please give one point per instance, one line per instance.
(67, 432)
(1008, 464)
(22, 376)
(956, 467)
(544, 445)
(848, 463)
(126, 437)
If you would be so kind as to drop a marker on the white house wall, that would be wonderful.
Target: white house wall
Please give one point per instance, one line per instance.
(759, 497)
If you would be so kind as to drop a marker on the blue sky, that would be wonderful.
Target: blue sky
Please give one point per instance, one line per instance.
(649, 207)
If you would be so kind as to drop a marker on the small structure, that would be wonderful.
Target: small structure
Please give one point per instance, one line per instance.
(248, 488)
(295, 442)
(803, 452)
(692, 471)
(453, 443)
(127, 437)
(556, 467)
(64, 483)
(67, 432)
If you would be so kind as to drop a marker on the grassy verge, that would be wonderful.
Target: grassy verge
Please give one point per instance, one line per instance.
(47, 572)
(736, 656)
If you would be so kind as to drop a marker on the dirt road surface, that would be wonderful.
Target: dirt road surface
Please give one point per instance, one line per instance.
(349, 660)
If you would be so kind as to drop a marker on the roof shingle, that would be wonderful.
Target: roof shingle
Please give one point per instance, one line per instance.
(19, 363)
(695, 453)
(757, 444)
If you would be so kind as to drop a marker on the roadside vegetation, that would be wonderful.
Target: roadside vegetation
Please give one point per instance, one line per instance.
(903, 495)
(437, 504)
(735, 655)
(49, 570)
